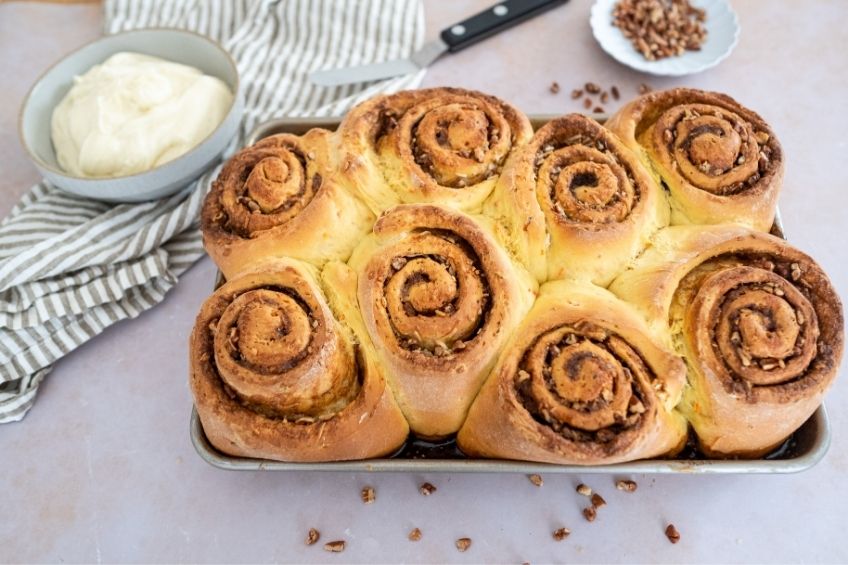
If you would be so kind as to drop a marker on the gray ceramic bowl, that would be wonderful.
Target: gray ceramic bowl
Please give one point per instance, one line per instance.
(175, 45)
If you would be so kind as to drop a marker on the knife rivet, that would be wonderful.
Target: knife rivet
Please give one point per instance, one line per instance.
(500, 10)
(458, 30)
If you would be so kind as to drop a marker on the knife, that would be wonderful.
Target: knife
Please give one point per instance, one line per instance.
(452, 39)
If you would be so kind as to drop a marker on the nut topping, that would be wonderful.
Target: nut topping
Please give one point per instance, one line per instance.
(626, 486)
(426, 489)
(335, 546)
(672, 534)
(561, 533)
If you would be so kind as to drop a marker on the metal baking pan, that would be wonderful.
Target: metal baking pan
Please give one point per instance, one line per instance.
(806, 447)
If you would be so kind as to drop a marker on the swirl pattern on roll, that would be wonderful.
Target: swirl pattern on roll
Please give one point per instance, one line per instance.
(441, 145)
(270, 359)
(277, 198)
(759, 323)
(720, 161)
(573, 188)
(587, 384)
(439, 297)
(581, 383)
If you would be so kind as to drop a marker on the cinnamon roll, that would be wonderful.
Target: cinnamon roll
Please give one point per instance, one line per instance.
(577, 202)
(720, 161)
(276, 375)
(439, 297)
(758, 321)
(581, 382)
(439, 145)
(280, 198)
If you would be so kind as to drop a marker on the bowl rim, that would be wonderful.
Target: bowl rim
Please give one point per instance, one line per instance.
(654, 67)
(40, 163)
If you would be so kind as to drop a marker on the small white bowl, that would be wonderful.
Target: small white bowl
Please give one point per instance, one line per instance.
(722, 35)
(174, 45)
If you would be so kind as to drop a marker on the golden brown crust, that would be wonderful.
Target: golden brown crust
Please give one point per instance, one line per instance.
(581, 382)
(758, 322)
(438, 145)
(439, 298)
(577, 202)
(280, 198)
(720, 161)
(275, 375)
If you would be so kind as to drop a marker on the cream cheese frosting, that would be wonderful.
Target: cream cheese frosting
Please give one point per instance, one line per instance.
(134, 112)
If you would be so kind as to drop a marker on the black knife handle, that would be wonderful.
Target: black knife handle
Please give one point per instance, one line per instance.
(499, 17)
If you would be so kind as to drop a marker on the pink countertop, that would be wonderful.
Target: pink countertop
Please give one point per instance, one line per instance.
(102, 468)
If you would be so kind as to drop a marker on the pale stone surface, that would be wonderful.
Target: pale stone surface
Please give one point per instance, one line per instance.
(102, 468)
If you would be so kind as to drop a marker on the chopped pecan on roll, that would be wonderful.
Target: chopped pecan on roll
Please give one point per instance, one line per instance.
(581, 382)
(577, 202)
(280, 198)
(439, 297)
(445, 146)
(720, 161)
(758, 321)
(275, 374)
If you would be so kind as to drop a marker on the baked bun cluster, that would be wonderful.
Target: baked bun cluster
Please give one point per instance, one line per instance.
(581, 294)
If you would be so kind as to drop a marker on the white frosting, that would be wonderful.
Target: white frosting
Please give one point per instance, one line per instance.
(134, 112)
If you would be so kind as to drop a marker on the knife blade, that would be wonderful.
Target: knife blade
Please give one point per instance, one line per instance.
(452, 39)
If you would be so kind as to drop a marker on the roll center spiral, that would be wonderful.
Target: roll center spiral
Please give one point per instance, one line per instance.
(272, 331)
(268, 183)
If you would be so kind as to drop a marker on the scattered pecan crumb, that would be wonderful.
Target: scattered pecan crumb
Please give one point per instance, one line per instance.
(592, 88)
(313, 536)
(561, 534)
(626, 486)
(554, 87)
(585, 490)
(598, 110)
(576, 93)
(614, 91)
(590, 513)
(672, 534)
(598, 501)
(368, 495)
(536, 479)
(462, 544)
(587, 103)
(644, 88)
(604, 97)
(415, 534)
(426, 489)
(335, 546)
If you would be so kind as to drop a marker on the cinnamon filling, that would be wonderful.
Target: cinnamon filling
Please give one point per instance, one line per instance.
(437, 296)
(713, 148)
(267, 186)
(761, 324)
(585, 383)
(458, 141)
(276, 353)
(583, 181)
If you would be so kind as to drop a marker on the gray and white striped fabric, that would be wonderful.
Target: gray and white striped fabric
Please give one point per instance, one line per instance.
(71, 267)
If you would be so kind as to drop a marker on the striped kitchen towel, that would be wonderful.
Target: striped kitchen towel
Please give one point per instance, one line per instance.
(71, 267)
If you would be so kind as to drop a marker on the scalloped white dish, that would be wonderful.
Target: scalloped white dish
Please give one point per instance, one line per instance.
(722, 36)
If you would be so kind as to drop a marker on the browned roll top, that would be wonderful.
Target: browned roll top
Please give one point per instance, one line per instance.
(456, 138)
(756, 320)
(436, 294)
(276, 351)
(587, 384)
(261, 187)
(713, 147)
(580, 174)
